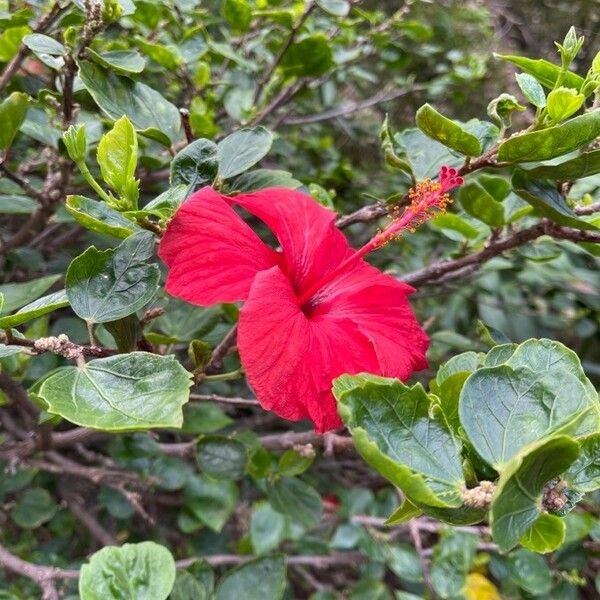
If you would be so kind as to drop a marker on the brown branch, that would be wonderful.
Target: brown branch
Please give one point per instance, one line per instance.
(216, 360)
(350, 108)
(435, 271)
(224, 400)
(589, 209)
(286, 46)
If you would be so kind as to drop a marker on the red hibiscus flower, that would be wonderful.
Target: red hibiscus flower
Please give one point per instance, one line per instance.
(313, 310)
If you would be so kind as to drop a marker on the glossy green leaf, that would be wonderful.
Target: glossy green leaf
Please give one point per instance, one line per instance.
(43, 44)
(13, 111)
(263, 178)
(446, 131)
(35, 309)
(393, 431)
(584, 474)
(34, 507)
(310, 56)
(121, 61)
(106, 285)
(544, 197)
(544, 71)
(563, 102)
(127, 392)
(204, 417)
(151, 114)
(221, 457)
(16, 205)
(425, 155)
(552, 141)
(195, 165)
(131, 572)
(98, 217)
(267, 528)
(451, 562)
(516, 504)
(241, 150)
(17, 295)
(238, 14)
(117, 157)
(257, 579)
(503, 409)
(545, 535)
(584, 165)
(10, 40)
(532, 89)
(404, 513)
(211, 501)
(480, 204)
(403, 560)
(451, 222)
(165, 205)
(187, 587)
(296, 499)
(337, 8)
(530, 572)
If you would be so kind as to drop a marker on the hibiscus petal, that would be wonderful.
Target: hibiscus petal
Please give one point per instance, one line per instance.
(212, 254)
(290, 360)
(312, 245)
(378, 305)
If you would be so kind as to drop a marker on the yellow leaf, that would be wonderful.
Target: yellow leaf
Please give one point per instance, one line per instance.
(478, 587)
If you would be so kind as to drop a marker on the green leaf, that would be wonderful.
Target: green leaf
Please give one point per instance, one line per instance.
(196, 164)
(166, 56)
(310, 56)
(165, 205)
(211, 501)
(117, 157)
(337, 8)
(298, 500)
(480, 204)
(545, 535)
(35, 309)
(552, 141)
(584, 474)
(127, 392)
(293, 463)
(151, 114)
(446, 131)
(544, 71)
(516, 504)
(267, 528)
(241, 150)
(238, 14)
(259, 579)
(452, 560)
(263, 178)
(403, 560)
(106, 285)
(96, 216)
(451, 222)
(43, 44)
(393, 431)
(187, 587)
(20, 294)
(545, 198)
(404, 513)
(121, 61)
(532, 90)
(221, 457)
(584, 165)
(503, 409)
(13, 111)
(425, 155)
(530, 572)
(16, 205)
(563, 102)
(131, 572)
(33, 508)
(10, 40)
(204, 417)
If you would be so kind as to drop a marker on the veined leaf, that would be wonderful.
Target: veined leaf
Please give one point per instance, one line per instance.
(35, 309)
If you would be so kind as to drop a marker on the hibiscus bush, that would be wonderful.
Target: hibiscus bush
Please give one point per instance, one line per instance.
(298, 300)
